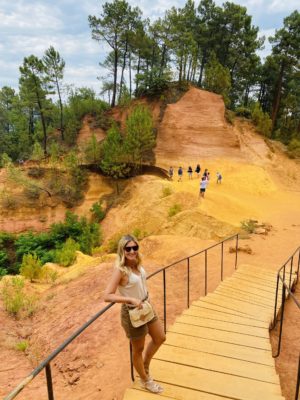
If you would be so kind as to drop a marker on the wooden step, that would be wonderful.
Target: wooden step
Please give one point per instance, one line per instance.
(221, 336)
(256, 293)
(214, 382)
(244, 297)
(217, 363)
(229, 350)
(215, 315)
(223, 326)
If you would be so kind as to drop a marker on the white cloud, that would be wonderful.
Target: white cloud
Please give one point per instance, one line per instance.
(31, 16)
(287, 6)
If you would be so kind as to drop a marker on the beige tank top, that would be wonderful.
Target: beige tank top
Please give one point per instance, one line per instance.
(136, 286)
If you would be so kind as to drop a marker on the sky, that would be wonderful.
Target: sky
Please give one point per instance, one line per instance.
(32, 26)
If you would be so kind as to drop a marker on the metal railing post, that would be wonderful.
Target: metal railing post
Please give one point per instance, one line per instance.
(205, 272)
(281, 320)
(131, 361)
(236, 250)
(291, 271)
(49, 382)
(275, 306)
(298, 267)
(188, 282)
(165, 301)
(222, 253)
(298, 381)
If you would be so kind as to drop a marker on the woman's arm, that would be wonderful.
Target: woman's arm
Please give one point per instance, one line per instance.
(110, 291)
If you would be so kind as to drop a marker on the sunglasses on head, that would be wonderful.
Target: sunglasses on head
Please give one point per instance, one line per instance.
(129, 248)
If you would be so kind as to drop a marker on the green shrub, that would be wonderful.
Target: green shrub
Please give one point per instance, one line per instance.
(262, 120)
(249, 225)
(15, 300)
(97, 211)
(3, 272)
(67, 254)
(32, 192)
(112, 245)
(8, 201)
(166, 191)
(22, 345)
(175, 209)
(294, 148)
(139, 234)
(229, 116)
(31, 267)
(243, 112)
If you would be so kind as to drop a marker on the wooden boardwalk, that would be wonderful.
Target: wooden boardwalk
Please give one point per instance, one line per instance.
(219, 348)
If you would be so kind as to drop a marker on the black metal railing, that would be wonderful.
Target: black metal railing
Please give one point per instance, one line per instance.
(46, 363)
(285, 275)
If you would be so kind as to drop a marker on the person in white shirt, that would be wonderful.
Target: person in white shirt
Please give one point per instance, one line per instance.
(203, 185)
(129, 277)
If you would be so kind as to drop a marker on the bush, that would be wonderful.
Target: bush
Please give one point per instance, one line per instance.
(31, 267)
(22, 346)
(166, 191)
(35, 172)
(40, 244)
(294, 148)
(243, 112)
(229, 116)
(249, 225)
(175, 209)
(139, 234)
(97, 211)
(32, 192)
(3, 272)
(9, 202)
(15, 300)
(112, 245)
(67, 254)
(262, 120)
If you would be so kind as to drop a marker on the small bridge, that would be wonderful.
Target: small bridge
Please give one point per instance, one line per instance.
(220, 347)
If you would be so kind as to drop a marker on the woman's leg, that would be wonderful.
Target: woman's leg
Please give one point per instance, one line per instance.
(157, 338)
(137, 356)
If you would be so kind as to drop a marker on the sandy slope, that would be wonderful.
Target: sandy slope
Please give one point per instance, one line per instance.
(259, 182)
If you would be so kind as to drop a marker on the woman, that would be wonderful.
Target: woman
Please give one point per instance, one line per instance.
(129, 278)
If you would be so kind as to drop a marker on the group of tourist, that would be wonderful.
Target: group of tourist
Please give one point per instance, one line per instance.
(204, 179)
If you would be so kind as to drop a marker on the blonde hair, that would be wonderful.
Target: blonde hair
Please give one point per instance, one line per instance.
(120, 261)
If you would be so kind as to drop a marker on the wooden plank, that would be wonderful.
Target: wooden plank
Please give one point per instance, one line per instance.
(209, 304)
(242, 304)
(170, 392)
(217, 363)
(238, 305)
(229, 350)
(225, 326)
(244, 297)
(251, 284)
(221, 336)
(258, 271)
(257, 293)
(265, 282)
(221, 316)
(214, 382)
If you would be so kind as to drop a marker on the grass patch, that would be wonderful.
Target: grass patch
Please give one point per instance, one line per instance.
(175, 209)
(22, 346)
(166, 191)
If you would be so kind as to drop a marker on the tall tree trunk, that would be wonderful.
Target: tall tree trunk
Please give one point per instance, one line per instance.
(130, 77)
(180, 69)
(162, 64)
(203, 62)
(61, 110)
(137, 73)
(277, 98)
(189, 69)
(113, 100)
(123, 68)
